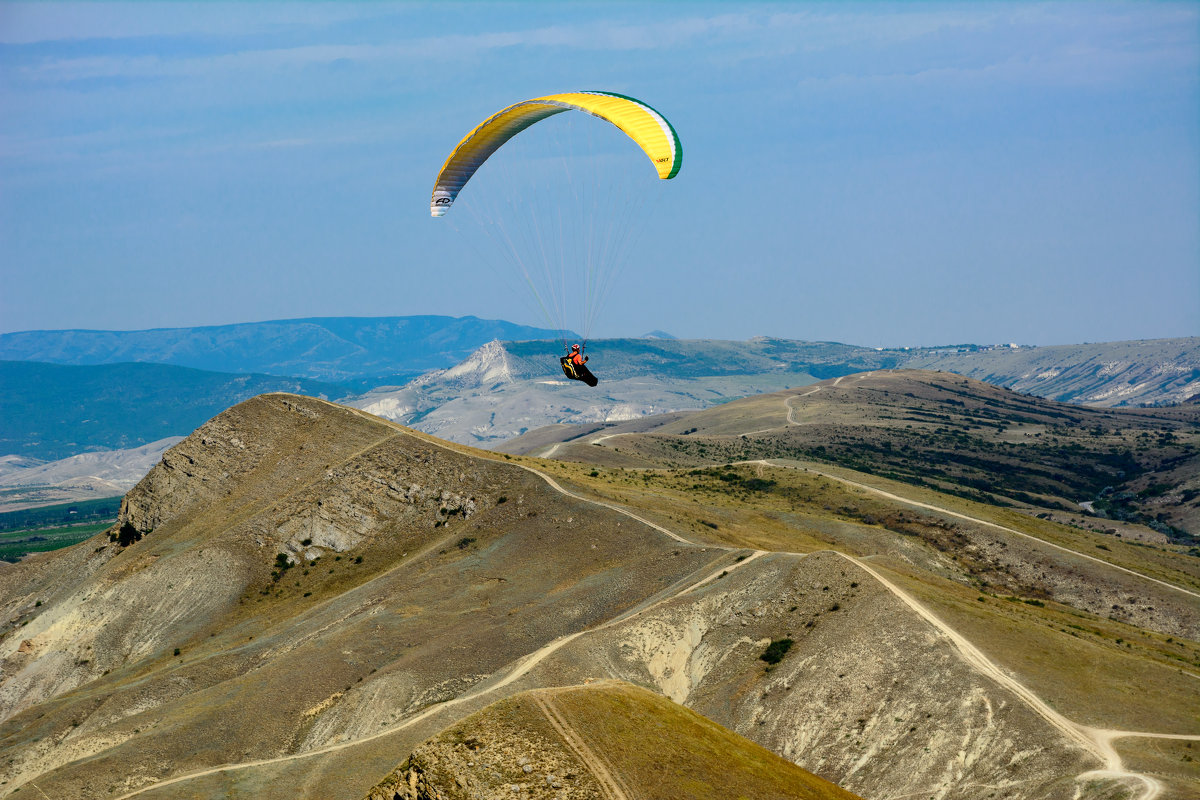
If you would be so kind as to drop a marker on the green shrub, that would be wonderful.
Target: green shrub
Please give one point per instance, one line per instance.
(776, 651)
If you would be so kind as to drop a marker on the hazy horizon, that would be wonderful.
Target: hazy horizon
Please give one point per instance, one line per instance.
(643, 335)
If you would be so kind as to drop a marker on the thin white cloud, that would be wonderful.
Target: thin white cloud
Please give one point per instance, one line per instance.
(731, 38)
(30, 23)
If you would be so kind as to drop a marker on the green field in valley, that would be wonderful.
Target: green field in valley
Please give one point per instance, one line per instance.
(15, 545)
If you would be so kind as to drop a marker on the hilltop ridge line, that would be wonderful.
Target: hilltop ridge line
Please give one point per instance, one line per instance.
(971, 655)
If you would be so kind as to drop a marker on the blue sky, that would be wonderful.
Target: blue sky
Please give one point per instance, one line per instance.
(882, 174)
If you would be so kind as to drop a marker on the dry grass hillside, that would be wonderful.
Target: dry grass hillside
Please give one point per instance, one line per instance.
(1098, 616)
(865, 694)
(606, 739)
(293, 575)
(956, 435)
(299, 595)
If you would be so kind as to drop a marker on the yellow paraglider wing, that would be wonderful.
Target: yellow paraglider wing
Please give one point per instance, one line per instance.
(649, 129)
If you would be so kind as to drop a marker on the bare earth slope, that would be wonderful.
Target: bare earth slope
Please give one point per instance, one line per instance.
(417, 573)
(868, 696)
(299, 594)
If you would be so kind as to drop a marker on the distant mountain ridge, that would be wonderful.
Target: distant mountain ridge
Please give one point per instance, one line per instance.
(688, 358)
(28, 482)
(321, 348)
(51, 411)
(507, 388)
(504, 389)
(501, 389)
(367, 352)
(1109, 374)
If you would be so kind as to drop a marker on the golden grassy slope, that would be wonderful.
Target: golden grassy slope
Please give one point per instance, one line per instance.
(605, 739)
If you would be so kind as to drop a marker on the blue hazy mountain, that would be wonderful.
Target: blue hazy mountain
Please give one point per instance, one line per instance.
(51, 411)
(321, 348)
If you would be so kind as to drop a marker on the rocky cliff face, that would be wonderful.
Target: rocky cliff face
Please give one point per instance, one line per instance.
(1109, 375)
(503, 752)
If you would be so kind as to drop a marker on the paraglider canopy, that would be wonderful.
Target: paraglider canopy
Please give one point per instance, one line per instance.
(557, 208)
(649, 129)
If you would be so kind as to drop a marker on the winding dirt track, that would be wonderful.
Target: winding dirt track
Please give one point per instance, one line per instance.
(488, 687)
(610, 785)
(1096, 741)
(947, 512)
(880, 492)
(521, 669)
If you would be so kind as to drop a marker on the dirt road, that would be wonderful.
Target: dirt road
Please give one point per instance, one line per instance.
(610, 785)
(1095, 741)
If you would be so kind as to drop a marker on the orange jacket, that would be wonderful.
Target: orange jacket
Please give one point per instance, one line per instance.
(577, 358)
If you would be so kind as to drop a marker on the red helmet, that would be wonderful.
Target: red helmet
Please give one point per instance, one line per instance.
(574, 347)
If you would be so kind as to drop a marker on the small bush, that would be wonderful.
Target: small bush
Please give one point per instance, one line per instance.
(282, 565)
(358, 559)
(776, 651)
(176, 651)
(126, 535)
(465, 542)
(501, 500)
(306, 542)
